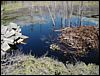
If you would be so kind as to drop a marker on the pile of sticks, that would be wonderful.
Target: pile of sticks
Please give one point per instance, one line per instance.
(82, 39)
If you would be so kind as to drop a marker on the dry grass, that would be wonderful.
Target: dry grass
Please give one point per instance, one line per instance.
(30, 65)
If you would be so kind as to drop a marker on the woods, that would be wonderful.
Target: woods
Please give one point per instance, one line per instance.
(66, 9)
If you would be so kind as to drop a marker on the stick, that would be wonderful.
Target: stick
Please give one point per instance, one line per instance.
(51, 15)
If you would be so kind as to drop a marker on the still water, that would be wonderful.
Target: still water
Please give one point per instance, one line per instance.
(42, 35)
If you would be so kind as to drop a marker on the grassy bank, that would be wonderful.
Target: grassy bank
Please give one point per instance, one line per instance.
(30, 65)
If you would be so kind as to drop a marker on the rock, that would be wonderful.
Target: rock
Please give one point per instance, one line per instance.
(20, 40)
(9, 33)
(2, 41)
(2, 37)
(24, 37)
(5, 46)
(16, 37)
(18, 34)
(3, 29)
(23, 43)
(3, 53)
(13, 25)
(9, 40)
(2, 9)
(18, 30)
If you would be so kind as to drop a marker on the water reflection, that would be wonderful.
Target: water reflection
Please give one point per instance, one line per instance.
(31, 28)
(42, 35)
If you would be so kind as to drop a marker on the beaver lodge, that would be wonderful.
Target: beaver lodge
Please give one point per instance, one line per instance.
(79, 40)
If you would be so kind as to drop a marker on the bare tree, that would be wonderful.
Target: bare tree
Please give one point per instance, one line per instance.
(51, 15)
(80, 11)
(68, 12)
(71, 11)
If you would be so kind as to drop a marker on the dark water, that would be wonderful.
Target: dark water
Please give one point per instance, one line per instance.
(40, 38)
(42, 35)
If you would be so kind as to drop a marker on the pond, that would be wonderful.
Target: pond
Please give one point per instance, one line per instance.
(42, 35)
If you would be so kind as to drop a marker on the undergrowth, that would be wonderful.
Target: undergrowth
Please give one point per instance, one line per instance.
(30, 65)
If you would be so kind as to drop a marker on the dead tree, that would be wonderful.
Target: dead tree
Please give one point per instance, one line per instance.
(51, 15)
(68, 12)
(62, 14)
(40, 11)
(80, 11)
(71, 11)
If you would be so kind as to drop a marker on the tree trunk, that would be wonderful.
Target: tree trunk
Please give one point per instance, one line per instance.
(51, 15)
(80, 12)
